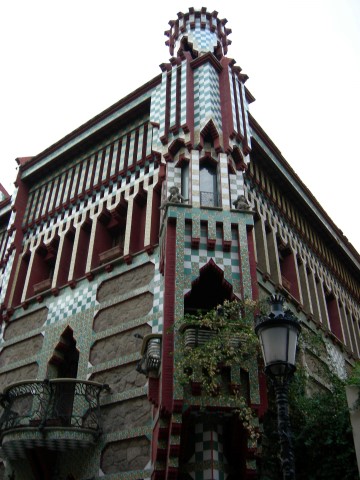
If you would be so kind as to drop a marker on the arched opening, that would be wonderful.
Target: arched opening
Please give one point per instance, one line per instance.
(65, 359)
(63, 365)
(208, 290)
(56, 408)
(214, 433)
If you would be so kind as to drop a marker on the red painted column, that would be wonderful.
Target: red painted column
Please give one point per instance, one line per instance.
(169, 316)
(18, 207)
(225, 98)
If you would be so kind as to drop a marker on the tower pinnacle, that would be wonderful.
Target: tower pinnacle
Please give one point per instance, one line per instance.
(198, 31)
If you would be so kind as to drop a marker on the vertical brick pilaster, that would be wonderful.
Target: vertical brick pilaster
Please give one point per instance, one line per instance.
(169, 316)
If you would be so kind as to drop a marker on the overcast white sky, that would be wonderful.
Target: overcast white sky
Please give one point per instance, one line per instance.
(63, 62)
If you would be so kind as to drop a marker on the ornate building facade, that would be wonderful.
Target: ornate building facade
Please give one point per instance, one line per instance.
(172, 200)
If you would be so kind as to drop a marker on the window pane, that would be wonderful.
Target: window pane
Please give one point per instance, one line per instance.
(208, 185)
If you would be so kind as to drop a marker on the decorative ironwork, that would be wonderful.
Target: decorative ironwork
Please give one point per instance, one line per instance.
(195, 336)
(62, 402)
(150, 362)
(209, 199)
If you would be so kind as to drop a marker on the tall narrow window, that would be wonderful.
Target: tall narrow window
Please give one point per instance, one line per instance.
(185, 180)
(208, 185)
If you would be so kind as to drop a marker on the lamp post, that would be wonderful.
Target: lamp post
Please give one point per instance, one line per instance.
(278, 334)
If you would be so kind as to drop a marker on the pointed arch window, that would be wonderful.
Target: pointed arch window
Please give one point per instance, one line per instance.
(209, 196)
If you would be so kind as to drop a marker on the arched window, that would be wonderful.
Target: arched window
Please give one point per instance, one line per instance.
(208, 185)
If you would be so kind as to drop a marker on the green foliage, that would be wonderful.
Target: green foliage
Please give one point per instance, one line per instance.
(354, 377)
(322, 436)
(231, 342)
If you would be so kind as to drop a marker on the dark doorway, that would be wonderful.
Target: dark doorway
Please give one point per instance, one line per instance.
(63, 365)
(208, 290)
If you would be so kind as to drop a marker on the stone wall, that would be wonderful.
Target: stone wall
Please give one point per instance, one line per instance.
(120, 416)
(121, 378)
(104, 329)
(125, 283)
(25, 324)
(20, 351)
(126, 455)
(118, 345)
(24, 373)
(123, 312)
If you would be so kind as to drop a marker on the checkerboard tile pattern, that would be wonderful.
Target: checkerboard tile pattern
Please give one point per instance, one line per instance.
(195, 178)
(6, 275)
(240, 106)
(157, 323)
(72, 303)
(162, 105)
(202, 39)
(194, 259)
(208, 452)
(224, 181)
(170, 175)
(248, 129)
(183, 99)
(173, 97)
(206, 97)
(236, 186)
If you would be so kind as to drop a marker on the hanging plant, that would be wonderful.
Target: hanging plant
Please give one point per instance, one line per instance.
(211, 341)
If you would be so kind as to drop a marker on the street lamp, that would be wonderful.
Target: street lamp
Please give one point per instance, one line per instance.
(278, 334)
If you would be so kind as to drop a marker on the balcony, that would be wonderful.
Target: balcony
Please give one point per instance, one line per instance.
(198, 337)
(59, 414)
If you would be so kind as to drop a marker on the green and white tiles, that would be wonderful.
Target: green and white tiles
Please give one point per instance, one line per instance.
(72, 302)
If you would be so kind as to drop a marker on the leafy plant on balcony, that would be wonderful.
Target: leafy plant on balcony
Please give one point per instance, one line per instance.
(208, 343)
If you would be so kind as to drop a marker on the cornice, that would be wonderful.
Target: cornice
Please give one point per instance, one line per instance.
(273, 152)
(86, 130)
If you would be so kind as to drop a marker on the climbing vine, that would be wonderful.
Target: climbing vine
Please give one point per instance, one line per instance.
(211, 341)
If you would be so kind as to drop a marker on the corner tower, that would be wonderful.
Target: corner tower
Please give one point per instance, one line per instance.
(202, 133)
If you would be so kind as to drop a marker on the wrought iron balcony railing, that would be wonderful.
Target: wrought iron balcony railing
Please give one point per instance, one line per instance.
(41, 407)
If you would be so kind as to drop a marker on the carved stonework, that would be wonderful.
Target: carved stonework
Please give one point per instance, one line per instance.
(174, 197)
(241, 203)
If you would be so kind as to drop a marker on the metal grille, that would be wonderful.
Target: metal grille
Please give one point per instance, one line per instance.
(66, 403)
(209, 199)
